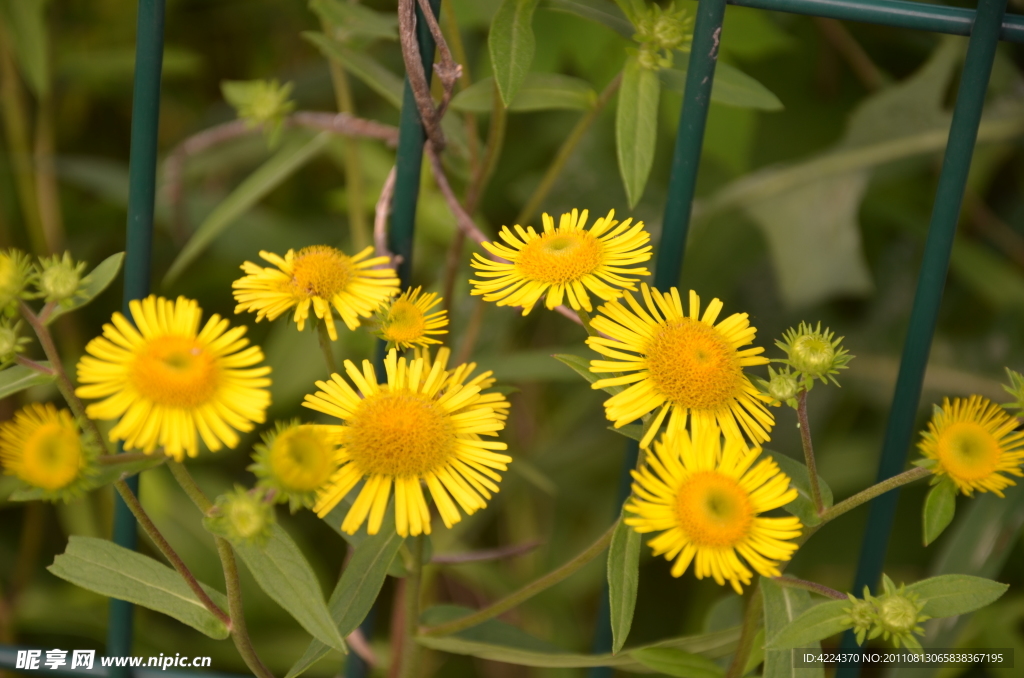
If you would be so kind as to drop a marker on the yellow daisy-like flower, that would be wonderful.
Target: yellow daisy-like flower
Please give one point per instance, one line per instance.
(681, 363)
(42, 447)
(406, 322)
(318, 276)
(424, 424)
(563, 262)
(296, 461)
(704, 498)
(973, 441)
(167, 380)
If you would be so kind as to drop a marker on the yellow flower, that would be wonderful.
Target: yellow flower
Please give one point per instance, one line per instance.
(704, 498)
(296, 460)
(43, 448)
(424, 424)
(685, 364)
(168, 380)
(563, 262)
(320, 276)
(972, 440)
(406, 323)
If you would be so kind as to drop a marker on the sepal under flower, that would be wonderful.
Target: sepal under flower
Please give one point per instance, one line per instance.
(295, 461)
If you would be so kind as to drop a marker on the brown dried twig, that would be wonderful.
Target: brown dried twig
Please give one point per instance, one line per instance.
(380, 220)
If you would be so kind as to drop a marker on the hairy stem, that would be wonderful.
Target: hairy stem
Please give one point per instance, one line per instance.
(410, 648)
(752, 620)
(189, 485)
(165, 548)
(239, 632)
(875, 490)
(325, 346)
(527, 592)
(805, 439)
(813, 587)
(565, 152)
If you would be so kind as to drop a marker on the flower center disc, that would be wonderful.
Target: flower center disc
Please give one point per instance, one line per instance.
(175, 372)
(52, 458)
(400, 433)
(558, 258)
(968, 451)
(321, 271)
(692, 365)
(405, 322)
(713, 510)
(301, 459)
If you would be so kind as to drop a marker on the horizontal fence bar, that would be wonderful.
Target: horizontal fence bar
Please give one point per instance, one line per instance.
(920, 16)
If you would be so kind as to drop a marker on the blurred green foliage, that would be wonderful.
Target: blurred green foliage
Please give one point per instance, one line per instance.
(817, 212)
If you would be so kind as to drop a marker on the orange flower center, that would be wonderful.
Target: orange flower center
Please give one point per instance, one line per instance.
(557, 258)
(175, 372)
(967, 451)
(693, 366)
(321, 271)
(713, 510)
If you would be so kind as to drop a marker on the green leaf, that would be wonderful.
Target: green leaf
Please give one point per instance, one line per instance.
(677, 663)
(731, 87)
(26, 23)
(503, 642)
(350, 20)
(111, 570)
(511, 45)
(363, 66)
(634, 431)
(939, 507)
(283, 573)
(803, 506)
(356, 591)
(17, 378)
(821, 621)
(107, 474)
(254, 188)
(336, 516)
(96, 281)
(599, 11)
(636, 126)
(782, 605)
(539, 92)
(623, 579)
(951, 594)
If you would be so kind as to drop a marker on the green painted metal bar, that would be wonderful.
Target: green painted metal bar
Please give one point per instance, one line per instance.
(949, 195)
(149, 48)
(896, 13)
(700, 73)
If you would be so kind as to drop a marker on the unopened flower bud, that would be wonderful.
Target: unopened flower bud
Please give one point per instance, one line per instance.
(60, 278)
(241, 517)
(863, 616)
(814, 353)
(15, 274)
(783, 385)
(261, 103)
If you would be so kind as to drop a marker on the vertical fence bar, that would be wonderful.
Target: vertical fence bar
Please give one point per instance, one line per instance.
(149, 50)
(949, 195)
(408, 166)
(700, 74)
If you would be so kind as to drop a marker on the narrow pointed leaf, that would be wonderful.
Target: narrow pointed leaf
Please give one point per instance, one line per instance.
(951, 594)
(511, 45)
(27, 31)
(539, 92)
(254, 188)
(373, 74)
(677, 663)
(107, 474)
(17, 378)
(623, 580)
(351, 20)
(731, 87)
(781, 606)
(97, 280)
(821, 621)
(636, 126)
(111, 570)
(283, 573)
(599, 11)
(939, 508)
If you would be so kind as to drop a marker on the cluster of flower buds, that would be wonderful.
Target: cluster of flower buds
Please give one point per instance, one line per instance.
(242, 516)
(660, 31)
(811, 353)
(1015, 389)
(260, 103)
(895, 615)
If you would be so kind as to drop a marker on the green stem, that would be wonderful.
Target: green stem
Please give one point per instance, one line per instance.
(325, 346)
(867, 495)
(813, 587)
(165, 548)
(527, 592)
(752, 621)
(805, 439)
(565, 152)
(410, 648)
(123, 458)
(239, 632)
(189, 485)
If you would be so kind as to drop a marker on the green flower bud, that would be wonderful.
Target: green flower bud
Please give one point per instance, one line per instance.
(899, 615)
(261, 103)
(60, 278)
(862, 616)
(10, 342)
(241, 517)
(813, 353)
(783, 386)
(659, 32)
(1015, 389)
(15, 274)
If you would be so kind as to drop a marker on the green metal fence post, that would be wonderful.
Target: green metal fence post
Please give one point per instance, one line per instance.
(945, 214)
(149, 49)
